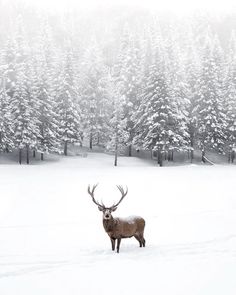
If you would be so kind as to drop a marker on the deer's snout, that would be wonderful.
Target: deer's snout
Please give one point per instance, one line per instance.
(107, 214)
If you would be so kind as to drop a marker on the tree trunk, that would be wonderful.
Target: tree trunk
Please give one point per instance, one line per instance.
(116, 150)
(81, 139)
(159, 158)
(98, 141)
(116, 156)
(20, 156)
(27, 155)
(91, 141)
(130, 150)
(192, 144)
(34, 154)
(41, 156)
(169, 156)
(232, 156)
(191, 155)
(229, 156)
(7, 149)
(65, 148)
(203, 156)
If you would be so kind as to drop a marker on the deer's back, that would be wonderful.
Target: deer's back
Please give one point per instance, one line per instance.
(130, 226)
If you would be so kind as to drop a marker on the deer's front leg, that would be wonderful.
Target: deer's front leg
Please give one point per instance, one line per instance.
(113, 243)
(118, 245)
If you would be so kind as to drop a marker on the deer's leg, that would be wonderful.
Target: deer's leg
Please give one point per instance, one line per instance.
(118, 245)
(142, 239)
(144, 242)
(113, 243)
(139, 240)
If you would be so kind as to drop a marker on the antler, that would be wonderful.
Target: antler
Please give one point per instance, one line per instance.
(123, 193)
(91, 193)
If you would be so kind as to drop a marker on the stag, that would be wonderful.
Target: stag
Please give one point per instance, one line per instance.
(119, 228)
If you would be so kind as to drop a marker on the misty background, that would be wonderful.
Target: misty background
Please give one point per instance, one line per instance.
(122, 78)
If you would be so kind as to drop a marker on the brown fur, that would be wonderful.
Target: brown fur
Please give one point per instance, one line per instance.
(120, 228)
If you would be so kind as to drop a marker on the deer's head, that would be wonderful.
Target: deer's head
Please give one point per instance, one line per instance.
(101, 207)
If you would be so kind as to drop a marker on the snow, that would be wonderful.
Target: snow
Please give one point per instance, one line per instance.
(52, 240)
(131, 219)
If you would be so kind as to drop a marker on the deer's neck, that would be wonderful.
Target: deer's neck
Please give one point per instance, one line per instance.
(109, 224)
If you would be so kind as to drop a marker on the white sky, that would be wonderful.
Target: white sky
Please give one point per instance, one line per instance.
(178, 6)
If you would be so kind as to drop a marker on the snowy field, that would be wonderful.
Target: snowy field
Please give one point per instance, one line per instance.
(52, 241)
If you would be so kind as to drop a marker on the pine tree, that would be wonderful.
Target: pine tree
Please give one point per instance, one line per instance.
(209, 104)
(157, 101)
(128, 73)
(9, 56)
(178, 89)
(45, 91)
(161, 125)
(192, 65)
(6, 132)
(8, 60)
(25, 129)
(140, 116)
(67, 110)
(94, 97)
(118, 134)
(180, 105)
(230, 98)
(24, 122)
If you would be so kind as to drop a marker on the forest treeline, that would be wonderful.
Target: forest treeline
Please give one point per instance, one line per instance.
(117, 80)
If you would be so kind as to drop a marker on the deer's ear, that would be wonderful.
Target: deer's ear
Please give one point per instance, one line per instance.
(113, 209)
(100, 208)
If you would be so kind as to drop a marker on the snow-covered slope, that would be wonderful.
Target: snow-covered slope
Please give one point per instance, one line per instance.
(52, 240)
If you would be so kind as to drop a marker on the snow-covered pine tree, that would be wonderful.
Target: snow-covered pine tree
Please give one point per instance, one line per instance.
(118, 134)
(8, 73)
(156, 113)
(9, 55)
(209, 104)
(24, 122)
(230, 97)
(6, 132)
(129, 72)
(94, 97)
(192, 65)
(180, 102)
(24, 125)
(44, 87)
(68, 112)
(178, 90)
(159, 124)
(140, 115)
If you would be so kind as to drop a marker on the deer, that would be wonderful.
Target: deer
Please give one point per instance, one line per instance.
(119, 228)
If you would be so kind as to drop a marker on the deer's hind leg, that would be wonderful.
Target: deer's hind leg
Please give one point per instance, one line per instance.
(139, 239)
(142, 239)
(143, 242)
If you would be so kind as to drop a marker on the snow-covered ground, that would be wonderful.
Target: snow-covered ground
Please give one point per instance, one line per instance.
(52, 240)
